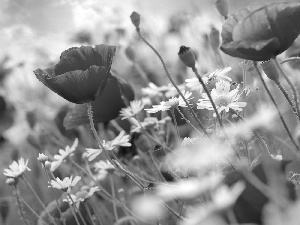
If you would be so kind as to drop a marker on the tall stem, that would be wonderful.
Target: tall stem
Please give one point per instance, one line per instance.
(286, 95)
(276, 106)
(296, 97)
(189, 122)
(208, 95)
(114, 195)
(172, 81)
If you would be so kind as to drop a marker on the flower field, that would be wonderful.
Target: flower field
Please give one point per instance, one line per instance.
(162, 112)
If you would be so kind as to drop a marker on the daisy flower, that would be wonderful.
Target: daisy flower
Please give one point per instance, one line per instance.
(223, 98)
(135, 107)
(16, 169)
(120, 140)
(66, 184)
(42, 158)
(171, 103)
(219, 74)
(63, 154)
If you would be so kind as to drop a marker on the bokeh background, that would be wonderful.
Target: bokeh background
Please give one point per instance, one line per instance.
(33, 33)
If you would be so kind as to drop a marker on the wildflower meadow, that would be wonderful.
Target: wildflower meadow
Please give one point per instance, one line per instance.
(166, 113)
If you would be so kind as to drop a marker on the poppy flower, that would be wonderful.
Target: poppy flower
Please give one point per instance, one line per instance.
(81, 74)
(260, 33)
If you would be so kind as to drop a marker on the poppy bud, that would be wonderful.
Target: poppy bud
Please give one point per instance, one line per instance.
(130, 53)
(214, 39)
(271, 70)
(187, 56)
(222, 7)
(135, 19)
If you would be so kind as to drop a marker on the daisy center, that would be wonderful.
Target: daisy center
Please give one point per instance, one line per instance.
(222, 101)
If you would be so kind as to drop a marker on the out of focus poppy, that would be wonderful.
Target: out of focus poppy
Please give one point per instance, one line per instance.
(81, 74)
(105, 108)
(260, 33)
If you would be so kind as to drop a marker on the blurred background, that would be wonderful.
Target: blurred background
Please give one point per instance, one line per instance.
(33, 33)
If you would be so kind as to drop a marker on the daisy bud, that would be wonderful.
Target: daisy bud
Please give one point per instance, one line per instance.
(187, 56)
(135, 19)
(271, 70)
(10, 181)
(42, 158)
(130, 53)
(214, 39)
(47, 165)
(222, 7)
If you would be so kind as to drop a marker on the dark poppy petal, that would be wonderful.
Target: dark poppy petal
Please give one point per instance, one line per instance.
(284, 19)
(76, 86)
(254, 27)
(84, 57)
(231, 22)
(107, 54)
(105, 108)
(252, 50)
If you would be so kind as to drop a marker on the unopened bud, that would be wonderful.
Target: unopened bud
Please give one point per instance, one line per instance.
(130, 53)
(214, 39)
(47, 165)
(222, 7)
(42, 158)
(271, 70)
(187, 56)
(135, 19)
(10, 181)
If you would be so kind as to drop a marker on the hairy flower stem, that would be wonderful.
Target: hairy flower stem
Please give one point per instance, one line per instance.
(113, 193)
(296, 97)
(172, 81)
(102, 147)
(276, 106)
(209, 95)
(175, 122)
(186, 120)
(21, 210)
(39, 200)
(116, 164)
(286, 95)
(54, 196)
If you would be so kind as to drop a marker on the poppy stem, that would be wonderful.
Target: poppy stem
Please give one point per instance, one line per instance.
(189, 122)
(276, 106)
(209, 95)
(113, 193)
(172, 81)
(296, 97)
(286, 95)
